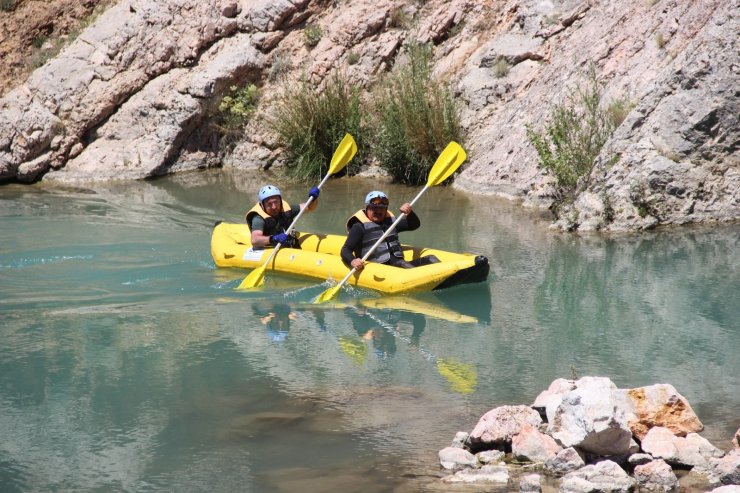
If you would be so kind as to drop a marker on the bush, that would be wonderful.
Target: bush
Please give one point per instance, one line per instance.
(7, 5)
(660, 40)
(575, 134)
(398, 18)
(416, 117)
(353, 57)
(312, 35)
(235, 110)
(501, 69)
(281, 65)
(310, 122)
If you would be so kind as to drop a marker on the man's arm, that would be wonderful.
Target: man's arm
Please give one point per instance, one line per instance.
(410, 222)
(351, 247)
(314, 203)
(258, 237)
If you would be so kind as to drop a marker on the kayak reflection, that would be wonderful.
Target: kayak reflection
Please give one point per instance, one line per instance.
(464, 305)
(364, 334)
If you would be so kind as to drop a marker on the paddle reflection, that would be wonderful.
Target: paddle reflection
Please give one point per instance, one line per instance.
(381, 329)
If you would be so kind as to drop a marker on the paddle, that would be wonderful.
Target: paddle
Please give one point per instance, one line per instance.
(344, 153)
(447, 162)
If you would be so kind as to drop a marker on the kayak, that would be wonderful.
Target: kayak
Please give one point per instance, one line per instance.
(318, 258)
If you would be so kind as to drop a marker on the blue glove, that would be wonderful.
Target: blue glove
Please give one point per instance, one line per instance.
(283, 238)
(314, 192)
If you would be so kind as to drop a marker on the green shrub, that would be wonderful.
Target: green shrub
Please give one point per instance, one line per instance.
(638, 194)
(415, 118)
(312, 35)
(235, 110)
(7, 5)
(310, 122)
(608, 214)
(501, 69)
(39, 40)
(398, 18)
(574, 135)
(660, 40)
(618, 109)
(281, 65)
(456, 29)
(353, 57)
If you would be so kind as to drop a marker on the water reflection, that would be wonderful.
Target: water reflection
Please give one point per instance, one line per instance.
(128, 362)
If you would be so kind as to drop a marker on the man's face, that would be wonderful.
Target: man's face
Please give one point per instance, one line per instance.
(376, 210)
(273, 205)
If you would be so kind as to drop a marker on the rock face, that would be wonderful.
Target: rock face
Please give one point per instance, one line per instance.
(134, 94)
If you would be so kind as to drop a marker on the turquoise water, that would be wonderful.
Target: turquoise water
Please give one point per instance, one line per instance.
(129, 363)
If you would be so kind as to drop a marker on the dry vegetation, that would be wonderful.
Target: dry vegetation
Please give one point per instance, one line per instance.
(32, 32)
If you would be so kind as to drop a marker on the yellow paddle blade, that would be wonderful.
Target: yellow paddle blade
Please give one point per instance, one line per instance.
(356, 350)
(446, 164)
(328, 295)
(462, 377)
(253, 279)
(345, 152)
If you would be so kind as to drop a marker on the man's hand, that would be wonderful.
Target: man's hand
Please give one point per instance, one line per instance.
(357, 264)
(283, 239)
(405, 208)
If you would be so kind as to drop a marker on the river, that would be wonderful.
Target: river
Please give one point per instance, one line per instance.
(128, 362)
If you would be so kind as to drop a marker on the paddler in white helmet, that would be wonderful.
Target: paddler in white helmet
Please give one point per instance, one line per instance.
(366, 227)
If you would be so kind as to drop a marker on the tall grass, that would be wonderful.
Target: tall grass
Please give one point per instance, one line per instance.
(416, 116)
(311, 121)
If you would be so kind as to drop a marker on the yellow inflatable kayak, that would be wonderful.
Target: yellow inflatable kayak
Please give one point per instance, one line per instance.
(318, 258)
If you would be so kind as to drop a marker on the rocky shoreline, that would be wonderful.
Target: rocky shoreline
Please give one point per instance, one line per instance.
(133, 96)
(589, 436)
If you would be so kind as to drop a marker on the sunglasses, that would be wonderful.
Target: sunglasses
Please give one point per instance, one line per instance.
(377, 206)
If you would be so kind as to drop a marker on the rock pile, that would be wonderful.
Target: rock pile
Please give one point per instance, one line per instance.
(592, 437)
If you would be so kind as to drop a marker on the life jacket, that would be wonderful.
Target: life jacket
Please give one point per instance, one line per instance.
(373, 232)
(272, 225)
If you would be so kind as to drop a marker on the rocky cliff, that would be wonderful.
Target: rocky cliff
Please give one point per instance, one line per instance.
(133, 95)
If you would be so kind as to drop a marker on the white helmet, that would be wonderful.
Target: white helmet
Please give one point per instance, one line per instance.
(375, 194)
(267, 191)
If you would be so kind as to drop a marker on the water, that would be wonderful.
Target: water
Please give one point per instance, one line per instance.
(129, 363)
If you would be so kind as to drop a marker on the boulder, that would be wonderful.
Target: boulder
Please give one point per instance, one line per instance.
(565, 461)
(531, 445)
(591, 418)
(530, 483)
(692, 450)
(486, 474)
(656, 475)
(498, 426)
(660, 405)
(604, 477)
(455, 458)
